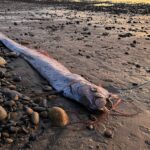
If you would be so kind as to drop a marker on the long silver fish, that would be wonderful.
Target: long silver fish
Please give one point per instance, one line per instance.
(60, 78)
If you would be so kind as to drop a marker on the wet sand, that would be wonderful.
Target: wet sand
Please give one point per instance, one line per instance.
(107, 49)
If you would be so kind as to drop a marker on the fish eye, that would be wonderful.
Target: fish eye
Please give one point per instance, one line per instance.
(98, 95)
(93, 89)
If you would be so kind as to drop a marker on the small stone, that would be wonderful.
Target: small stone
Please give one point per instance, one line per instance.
(126, 53)
(12, 54)
(17, 79)
(51, 97)
(5, 134)
(135, 84)
(9, 140)
(12, 94)
(148, 70)
(26, 98)
(12, 87)
(29, 111)
(44, 103)
(44, 114)
(92, 117)
(138, 65)
(2, 74)
(2, 61)
(35, 118)
(15, 23)
(39, 109)
(91, 146)
(90, 127)
(25, 130)
(13, 129)
(3, 113)
(58, 116)
(9, 103)
(47, 88)
(108, 133)
(147, 142)
(14, 116)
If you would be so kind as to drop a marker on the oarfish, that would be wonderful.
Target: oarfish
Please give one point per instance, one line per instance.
(71, 85)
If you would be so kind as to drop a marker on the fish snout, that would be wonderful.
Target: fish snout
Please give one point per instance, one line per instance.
(100, 103)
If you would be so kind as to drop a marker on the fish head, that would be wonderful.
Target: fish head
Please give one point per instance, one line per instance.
(94, 97)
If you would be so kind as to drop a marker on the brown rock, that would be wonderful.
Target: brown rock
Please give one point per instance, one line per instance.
(29, 111)
(35, 118)
(58, 116)
(9, 140)
(3, 113)
(2, 61)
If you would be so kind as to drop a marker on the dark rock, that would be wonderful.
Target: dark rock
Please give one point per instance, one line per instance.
(17, 79)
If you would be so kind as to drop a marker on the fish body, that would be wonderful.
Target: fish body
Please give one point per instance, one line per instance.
(71, 85)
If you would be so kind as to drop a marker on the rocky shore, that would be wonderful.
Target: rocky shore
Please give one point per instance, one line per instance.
(106, 48)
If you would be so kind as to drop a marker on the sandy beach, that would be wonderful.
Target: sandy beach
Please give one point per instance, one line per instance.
(108, 49)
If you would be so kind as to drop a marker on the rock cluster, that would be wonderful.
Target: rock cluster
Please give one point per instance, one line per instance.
(21, 114)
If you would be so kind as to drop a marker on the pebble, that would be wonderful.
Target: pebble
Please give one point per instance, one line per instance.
(5, 134)
(147, 142)
(9, 103)
(92, 117)
(26, 98)
(12, 94)
(9, 140)
(17, 79)
(58, 116)
(2, 61)
(39, 109)
(12, 87)
(91, 146)
(29, 111)
(12, 54)
(3, 113)
(13, 129)
(35, 118)
(47, 88)
(108, 133)
(2, 74)
(90, 127)
(44, 114)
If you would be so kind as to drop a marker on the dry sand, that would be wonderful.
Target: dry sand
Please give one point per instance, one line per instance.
(108, 49)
